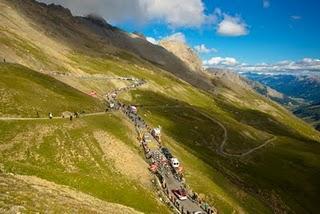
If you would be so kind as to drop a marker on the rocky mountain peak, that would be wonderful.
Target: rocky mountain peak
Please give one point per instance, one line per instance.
(184, 52)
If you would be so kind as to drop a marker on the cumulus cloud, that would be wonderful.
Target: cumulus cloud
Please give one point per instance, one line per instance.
(220, 62)
(176, 13)
(202, 49)
(266, 3)
(304, 65)
(232, 26)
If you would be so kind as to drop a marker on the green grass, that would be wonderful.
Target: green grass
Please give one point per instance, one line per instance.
(67, 153)
(284, 175)
(24, 48)
(25, 92)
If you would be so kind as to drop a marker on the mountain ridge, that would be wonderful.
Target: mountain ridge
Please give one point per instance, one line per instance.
(188, 108)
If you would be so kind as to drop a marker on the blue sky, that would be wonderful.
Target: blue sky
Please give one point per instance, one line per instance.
(286, 30)
(229, 32)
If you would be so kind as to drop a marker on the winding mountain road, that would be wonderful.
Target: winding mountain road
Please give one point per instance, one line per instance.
(220, 150)
(172, 183)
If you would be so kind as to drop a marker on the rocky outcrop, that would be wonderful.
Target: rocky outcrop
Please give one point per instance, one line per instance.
(184, 52)
(228, 79)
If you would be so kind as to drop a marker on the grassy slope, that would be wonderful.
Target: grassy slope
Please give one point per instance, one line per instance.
(19, 194)
(249, 174)
(68, 153)
(266, 175)
(61, 152)
(25, 92)
(223, 193)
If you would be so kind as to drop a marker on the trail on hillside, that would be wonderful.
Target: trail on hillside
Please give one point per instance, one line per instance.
(172, 182)
(169, 181)
(220, 149)
(47, 118)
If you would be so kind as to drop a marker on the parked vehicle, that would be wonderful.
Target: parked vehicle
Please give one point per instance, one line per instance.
(113, 95)
(146, 138)
(133, 109)
(181, 194)
(165, 151)
(175, 162)
(156, 133)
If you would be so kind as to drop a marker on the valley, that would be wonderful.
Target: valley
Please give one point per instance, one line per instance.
(240, 152)
(299, 93)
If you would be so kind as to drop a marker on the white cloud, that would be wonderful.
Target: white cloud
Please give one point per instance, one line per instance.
(221, 62)
(296, 17)
(232, 26)
(203, 49)
(266, 3)
(176, 13)
(152, 40)
(180, 37)
(304, 65)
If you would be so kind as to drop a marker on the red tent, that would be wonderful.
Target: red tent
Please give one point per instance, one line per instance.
(93, 93)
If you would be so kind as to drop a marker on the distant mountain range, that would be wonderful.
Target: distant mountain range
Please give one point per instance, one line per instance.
(299, 93)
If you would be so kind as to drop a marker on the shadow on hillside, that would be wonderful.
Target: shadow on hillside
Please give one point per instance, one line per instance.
(262, 121)
(270, 170)
(180, 120)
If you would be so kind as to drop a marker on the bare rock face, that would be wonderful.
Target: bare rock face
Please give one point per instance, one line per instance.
(184, 52)
(229, 79)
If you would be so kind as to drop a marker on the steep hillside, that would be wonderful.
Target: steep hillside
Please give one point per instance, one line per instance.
(243, 148)
(27, 93)
(23, 191)
(97, 155)
(98, 39)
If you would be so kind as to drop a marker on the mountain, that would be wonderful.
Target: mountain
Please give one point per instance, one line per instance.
(94, 35)
(243, 148)
(300, 92)
(183, 52)
(228, 79)
(299, 86)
